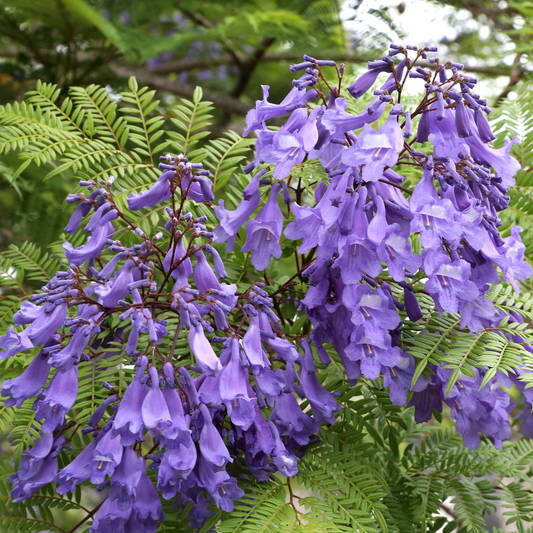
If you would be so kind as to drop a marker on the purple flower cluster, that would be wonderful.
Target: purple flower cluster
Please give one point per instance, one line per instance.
(238, 403)
(201, 417)
(475, 410)
(356, 240)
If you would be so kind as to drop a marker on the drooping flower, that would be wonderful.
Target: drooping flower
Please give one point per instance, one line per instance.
(322, 401)
(157, 193)
(220, 485)
(291, 420)
(231, 221)
(212, 446)
(205, 357)
(126, 478)
(105, 457)
(449, 283)
(373, 356)
(263, 233)
(234, 383)
(128, 423)
(109, 518)
(370, 309)
(376, 150)
(59, 397)
(147, 510)
(95, 243)
(155, 413)
(26, 385)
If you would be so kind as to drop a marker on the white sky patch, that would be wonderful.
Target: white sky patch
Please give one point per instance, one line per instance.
(425, 23)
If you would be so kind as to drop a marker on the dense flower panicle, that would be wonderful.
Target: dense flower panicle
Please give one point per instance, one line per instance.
(365, 240)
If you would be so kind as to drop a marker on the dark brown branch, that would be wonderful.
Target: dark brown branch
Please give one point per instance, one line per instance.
(199, 19)
(89, 516)
(515, 76)
(248, 67)
(404, 189)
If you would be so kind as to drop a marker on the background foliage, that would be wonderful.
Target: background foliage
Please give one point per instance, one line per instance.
(374, 470)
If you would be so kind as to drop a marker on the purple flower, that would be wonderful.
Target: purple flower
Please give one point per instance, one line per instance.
(306, 224)
(478, 410)
(26, 385)
(126, 478)
(147, 510)
(205, 357)
(109, 519)
(75, 473)
(509, 257)
(483, 126)
(104, 459)
(64, 359)
(427, 399)
(376, 150)
(435, 220)
(59, 397)
(449, 283)
(219, 485)
(412, 307)
(212, 446)
(500, 159)
(176, 465)
(176, 254)
(117, 288)
(287, 464)
(443, 134)
(128, 423)
(95, 243)
(234, 385)
(157, 193)
(338, 122)
(179, 431)
(290, 419)
(373, 356)
(40, 474)
(392, 245)
(251, 343)
(156, 417)
(265, 110)
(50, 319)
(370, 309)
(285, 150)
(263, 233)
(83, 209)
(364, 82)
(231, 221)
(399, 378)
(206, 281)
(322, 401)
(27, 313)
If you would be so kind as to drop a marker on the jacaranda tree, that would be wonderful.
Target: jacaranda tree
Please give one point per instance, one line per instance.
(269, 367)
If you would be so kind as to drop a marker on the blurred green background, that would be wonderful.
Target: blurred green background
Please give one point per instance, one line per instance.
(230, 48)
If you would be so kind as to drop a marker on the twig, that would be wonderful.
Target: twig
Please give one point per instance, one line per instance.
(90, 515)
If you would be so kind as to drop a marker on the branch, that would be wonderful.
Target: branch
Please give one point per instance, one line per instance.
(515, 76)
(493, 14)
(449, 511)
(248, 68)
(186, 90)
(83, 520)
(199, 19)
(340, 57)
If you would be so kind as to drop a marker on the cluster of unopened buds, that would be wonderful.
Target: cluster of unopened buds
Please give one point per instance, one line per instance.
(355, 255)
